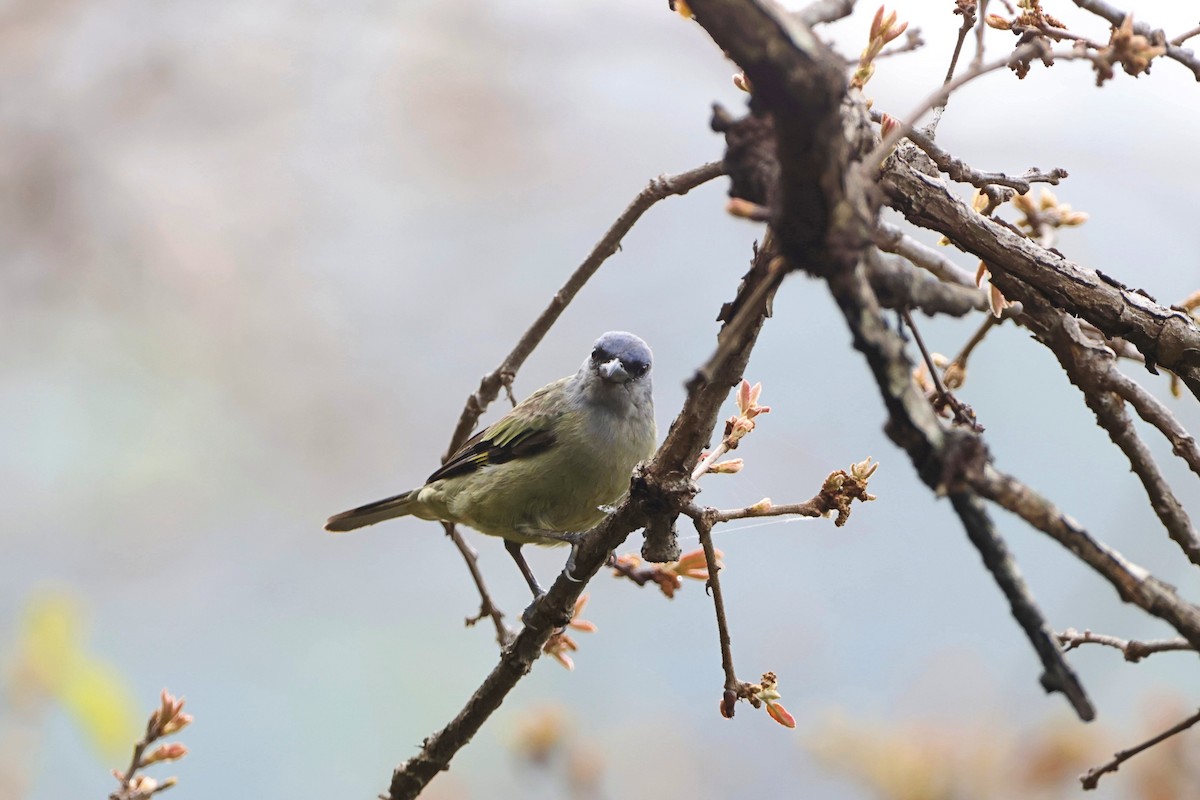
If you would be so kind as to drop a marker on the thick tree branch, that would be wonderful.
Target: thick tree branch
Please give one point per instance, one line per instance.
(1166, 337)
(828, 236)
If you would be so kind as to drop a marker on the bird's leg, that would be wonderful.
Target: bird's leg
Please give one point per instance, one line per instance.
(573, 539)
(514, 550)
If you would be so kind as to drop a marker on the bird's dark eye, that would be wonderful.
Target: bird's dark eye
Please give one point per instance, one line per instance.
(600, 356)
(637, 368)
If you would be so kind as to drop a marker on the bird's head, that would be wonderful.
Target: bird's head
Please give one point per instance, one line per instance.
(619, 358)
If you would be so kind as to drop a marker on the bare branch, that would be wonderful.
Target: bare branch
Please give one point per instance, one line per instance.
(1153, 411)
(1092, 368)
(1092, 778)
(704, 528)
(1133, 649)
(1183, 37)
(898, 284)
(967, 11)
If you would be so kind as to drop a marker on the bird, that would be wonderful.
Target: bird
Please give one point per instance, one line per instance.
(551, 468)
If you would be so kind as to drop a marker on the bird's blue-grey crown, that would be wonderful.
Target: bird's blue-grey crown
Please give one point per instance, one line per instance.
(620, 357)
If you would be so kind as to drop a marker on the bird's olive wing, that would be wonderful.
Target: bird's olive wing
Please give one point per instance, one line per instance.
(526, 431)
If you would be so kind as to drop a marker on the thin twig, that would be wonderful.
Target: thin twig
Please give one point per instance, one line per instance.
(1092, 777)
(981, 13)
(944, 395)
(1183, 37)
(487, 608)
(969, 17)
(704, 528)
(1156, 413)
(960, 360)
(1134, 650)
(962, 172)
(1034, 49)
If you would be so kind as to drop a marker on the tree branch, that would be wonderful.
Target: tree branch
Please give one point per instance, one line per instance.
(1166, 337)
(1092, 778)
(814, 151)
(1058, 675)
(1134, 584)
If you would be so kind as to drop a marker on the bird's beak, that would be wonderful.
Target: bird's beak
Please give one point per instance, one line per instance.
(614, 372)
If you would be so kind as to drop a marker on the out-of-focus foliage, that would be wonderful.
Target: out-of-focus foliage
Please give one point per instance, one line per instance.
(51, 664)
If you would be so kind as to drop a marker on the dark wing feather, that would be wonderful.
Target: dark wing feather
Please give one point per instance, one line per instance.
(526, 431)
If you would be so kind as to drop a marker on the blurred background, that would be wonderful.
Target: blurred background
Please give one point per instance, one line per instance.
(257, 255)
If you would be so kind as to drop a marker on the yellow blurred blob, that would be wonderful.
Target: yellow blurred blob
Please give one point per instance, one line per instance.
(52, 664)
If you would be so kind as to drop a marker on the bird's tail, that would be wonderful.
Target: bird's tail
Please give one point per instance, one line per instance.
(371, 513)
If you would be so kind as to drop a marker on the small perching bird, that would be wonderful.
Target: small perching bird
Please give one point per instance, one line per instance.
(551, 467)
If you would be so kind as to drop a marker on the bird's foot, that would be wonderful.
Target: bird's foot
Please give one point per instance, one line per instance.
(575, 540)
(527, 614)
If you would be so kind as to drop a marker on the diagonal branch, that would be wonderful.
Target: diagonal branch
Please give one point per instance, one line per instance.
(1092, 368)
(1133, 583)
(1058, 675)
(1092, 778)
